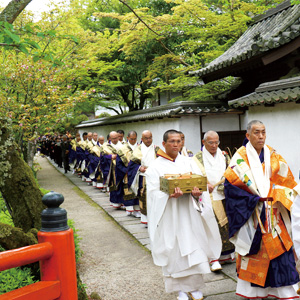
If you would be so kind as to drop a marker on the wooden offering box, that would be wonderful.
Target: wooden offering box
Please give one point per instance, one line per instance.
(186, 182)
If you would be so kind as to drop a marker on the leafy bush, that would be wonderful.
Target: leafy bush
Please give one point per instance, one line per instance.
(5, 216)
(15, 278)
(78, 251)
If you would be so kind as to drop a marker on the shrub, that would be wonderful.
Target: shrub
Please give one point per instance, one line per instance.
(15, 278)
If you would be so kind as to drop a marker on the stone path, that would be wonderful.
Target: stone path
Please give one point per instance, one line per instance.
(116, 261)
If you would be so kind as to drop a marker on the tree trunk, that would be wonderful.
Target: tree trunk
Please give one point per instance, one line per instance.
(22, 193)
(31, 147)
(17, 184)
(13, 9)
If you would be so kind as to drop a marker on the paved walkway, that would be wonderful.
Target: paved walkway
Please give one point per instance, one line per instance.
(117, 262)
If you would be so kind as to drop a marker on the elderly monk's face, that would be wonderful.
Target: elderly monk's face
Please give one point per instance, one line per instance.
(147, 138)
(173, 145)
(114, 137)
(132, 139)
(212, 143)
(95, 136)
(257, 136)
(101, 140)
(90, 136)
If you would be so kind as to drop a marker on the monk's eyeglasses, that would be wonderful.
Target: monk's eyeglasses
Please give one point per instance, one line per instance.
(213, 143)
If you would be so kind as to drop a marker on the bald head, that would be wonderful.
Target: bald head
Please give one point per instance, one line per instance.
(101, 139)
(131, 137)
(211, 142)
(210, 133)
(95, 136)
(147, 137)
(90, 136)
(114, 137)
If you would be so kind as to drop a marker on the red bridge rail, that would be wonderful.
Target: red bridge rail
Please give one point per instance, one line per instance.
(55, 252)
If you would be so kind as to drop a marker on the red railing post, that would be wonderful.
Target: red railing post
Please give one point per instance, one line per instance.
(61, 266)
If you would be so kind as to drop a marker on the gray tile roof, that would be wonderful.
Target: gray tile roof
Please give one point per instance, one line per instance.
(172, 110)
(275, 28)
(280, 91)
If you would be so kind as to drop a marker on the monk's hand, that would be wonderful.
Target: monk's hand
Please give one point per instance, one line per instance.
(196, 192)
(113, 156)
(143, 169)
(266, 199)
(177, 193)
(210, 187)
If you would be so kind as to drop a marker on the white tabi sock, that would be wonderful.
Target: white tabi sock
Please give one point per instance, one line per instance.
(197, 294)
(182, 296)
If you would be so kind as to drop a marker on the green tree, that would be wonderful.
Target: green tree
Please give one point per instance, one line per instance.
(149, 50)
(35, 89)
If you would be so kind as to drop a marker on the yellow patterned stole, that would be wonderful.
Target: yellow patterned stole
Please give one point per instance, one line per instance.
(282, 180)
(217, 206)
(254, 268)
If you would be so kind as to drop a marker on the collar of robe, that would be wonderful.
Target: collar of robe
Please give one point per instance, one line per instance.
(163, 154)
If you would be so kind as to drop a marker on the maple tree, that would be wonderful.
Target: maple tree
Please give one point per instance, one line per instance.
(141, 50)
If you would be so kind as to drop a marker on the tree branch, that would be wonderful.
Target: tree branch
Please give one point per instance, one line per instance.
(11, 45)
(163, 45)
(13, 9)
(112, 108)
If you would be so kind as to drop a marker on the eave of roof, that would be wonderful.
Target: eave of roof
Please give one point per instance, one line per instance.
(275, 28)
(280, 91)
(172, 110)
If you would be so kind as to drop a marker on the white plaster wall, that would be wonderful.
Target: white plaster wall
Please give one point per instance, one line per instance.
(220, 123)
(244, 121)
(282, 126)
(157, 127)
(190, 126)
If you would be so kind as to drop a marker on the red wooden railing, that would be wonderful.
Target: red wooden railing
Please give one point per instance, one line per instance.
(56, 254)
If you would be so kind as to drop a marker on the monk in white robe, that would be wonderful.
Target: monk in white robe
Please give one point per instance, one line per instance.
(213, 163)
(183, 240)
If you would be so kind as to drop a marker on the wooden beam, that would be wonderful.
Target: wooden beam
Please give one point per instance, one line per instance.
(281, 52)
(46, 290)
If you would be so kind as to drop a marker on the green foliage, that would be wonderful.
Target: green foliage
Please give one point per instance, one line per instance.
(44, 191)
(138, 54)
(104, 115)
(5, 216)
(78, 251)
(10, 37)
(119, 56)
(15, 278)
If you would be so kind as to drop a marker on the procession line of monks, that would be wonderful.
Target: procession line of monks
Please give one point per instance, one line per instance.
(246, 212)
